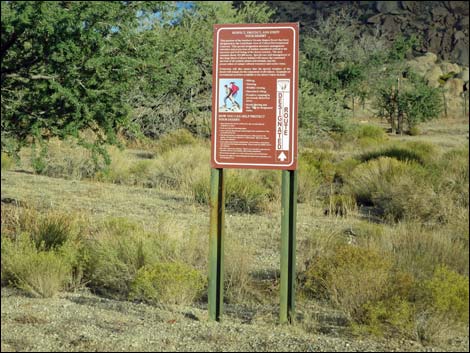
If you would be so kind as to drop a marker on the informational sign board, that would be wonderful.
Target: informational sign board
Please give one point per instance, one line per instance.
(254, 96)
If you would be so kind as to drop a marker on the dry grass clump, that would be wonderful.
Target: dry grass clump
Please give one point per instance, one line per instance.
(40, 252)
(419, 249)
(397, 190)
(40, 273)
(115, 254)
(65, 159)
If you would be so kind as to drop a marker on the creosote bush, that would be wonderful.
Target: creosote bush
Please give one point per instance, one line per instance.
(167, 283)
(350, 278)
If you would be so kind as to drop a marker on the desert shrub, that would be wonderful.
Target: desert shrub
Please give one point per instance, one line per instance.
(344, 169)
(366, 284)
(246, 191)
(371, 132)
(443, 306)
(52, 231)
(419, 249)
(365, 230)
(350, 278)
(451, 174)
(175, 138)
(391, 315)
(246, 194)
(309, 180)
(167, 283)
(322, 160)
(38, 272)
(447, 294)
(239, 259)
(65, 159)
(414, 131)
(117, 252)
(398, 190)
(182, 166)
(419, 152)
(340, 205)
(363, 135)
(7, 161)
(119, 169)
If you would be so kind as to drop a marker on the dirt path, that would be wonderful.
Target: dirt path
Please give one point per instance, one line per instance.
(84, 322)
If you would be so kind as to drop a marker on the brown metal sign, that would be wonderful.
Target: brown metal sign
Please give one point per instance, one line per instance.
(254, 96)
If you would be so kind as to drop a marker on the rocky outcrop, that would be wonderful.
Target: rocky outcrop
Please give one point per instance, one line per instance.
(442, 26)
(451, 78)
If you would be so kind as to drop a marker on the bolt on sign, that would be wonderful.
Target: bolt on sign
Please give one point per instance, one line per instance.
(254, 98)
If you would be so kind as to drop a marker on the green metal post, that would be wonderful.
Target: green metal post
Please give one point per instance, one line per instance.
(288, 247)
(216, 245)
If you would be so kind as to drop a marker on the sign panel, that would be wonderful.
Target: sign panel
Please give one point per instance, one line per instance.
(254, 96)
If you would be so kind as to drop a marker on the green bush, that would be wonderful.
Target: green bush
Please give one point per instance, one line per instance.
(320, 112)
(365, 230)
(452, 176)
(350, 277)
(181, 167)
(309, 180)
(167, 283)
(370, 131)
(175, 138)
(344, 169)
(394, 315)
(322, 160)
(39, 273)
(246, 191)
(446, 293)
(443, 306)
(246, 194)
(117, 252)
(413, 131)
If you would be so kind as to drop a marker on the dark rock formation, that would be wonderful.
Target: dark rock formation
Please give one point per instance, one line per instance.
(442, 25)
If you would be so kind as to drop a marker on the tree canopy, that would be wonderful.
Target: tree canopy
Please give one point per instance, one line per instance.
(67, 65)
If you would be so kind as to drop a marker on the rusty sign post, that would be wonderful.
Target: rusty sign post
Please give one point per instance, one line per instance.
(254, 125)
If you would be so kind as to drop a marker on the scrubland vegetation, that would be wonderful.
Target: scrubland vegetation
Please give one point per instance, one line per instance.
(110, 193)
(396, 263)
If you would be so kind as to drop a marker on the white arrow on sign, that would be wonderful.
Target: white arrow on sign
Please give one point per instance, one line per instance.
(282, 157)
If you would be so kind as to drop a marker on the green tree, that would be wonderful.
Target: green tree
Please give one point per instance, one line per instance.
(66, 66)
(404, 97)
(174, 86)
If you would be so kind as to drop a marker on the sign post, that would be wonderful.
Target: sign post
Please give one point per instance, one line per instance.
(288, 221)
(254, 125)
(216, 245)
